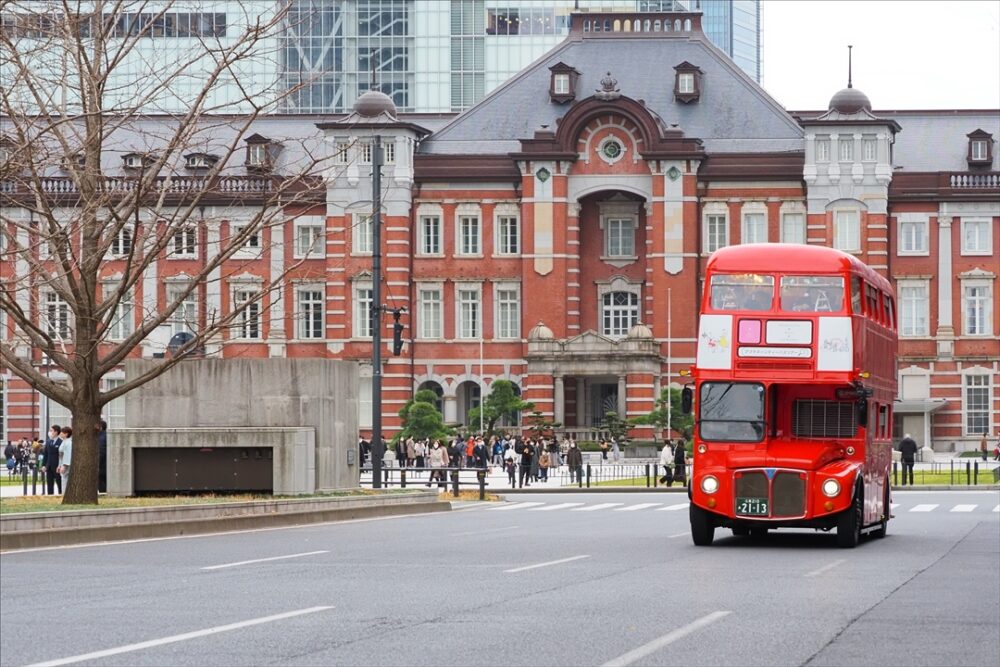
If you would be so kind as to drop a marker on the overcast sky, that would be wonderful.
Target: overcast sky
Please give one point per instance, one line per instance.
(908, 54)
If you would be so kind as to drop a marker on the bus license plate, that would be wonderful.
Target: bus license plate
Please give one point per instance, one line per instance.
(751, 506)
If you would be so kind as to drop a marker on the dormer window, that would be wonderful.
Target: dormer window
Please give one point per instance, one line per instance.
(980, 149)
(199, 161)
(687, 83)
(562, 85)
(136, 160)
(75, 160)
(261, 153)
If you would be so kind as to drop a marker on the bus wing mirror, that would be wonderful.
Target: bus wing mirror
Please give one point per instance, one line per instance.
(862, 411)
(687, 400)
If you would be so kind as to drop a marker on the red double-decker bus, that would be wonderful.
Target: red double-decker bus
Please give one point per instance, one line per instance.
(792, 392)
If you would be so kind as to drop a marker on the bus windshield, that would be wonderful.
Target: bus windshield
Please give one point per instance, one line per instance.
(812, 294)
(745, 291)
(731, 411)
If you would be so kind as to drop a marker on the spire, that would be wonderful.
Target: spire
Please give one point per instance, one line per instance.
(849, 47)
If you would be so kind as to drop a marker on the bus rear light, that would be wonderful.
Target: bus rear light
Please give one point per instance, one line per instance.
(709, 484)
(828, 506)
(831, 488)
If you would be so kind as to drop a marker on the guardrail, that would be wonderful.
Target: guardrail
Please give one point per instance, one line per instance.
(970, 474)
(394, 476)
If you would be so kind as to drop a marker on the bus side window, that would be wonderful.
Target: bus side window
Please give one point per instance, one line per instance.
(890, 312)
(856, 295)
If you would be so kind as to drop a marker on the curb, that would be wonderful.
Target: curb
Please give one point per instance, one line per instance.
(221, 519)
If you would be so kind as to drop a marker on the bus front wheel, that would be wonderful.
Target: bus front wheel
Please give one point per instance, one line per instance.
(849, 523)
(702, 526)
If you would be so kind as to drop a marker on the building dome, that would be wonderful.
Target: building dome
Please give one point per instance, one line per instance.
(640, 330)
(541, 332)
(850, 100)
(374, 103)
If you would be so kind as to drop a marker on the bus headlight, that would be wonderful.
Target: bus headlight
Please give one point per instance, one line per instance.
(709, 484)
(831, 488)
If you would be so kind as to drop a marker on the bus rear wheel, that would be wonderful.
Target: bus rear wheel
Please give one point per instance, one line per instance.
(702, 527)
(849, 523)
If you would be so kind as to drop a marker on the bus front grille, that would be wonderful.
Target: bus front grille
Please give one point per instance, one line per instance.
(751, 484)
(788, 498)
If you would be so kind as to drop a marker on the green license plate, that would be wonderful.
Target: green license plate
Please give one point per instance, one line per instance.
(751, 506)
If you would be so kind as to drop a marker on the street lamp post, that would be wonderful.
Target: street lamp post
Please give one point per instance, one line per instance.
(376, 312)
(669, 361)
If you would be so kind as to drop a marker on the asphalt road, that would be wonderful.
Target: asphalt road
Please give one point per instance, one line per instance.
(567, 579)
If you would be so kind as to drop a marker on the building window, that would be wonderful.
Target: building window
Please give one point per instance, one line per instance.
(560, 84)
(121, 243)
(57, 317)
(469, 238)
(430, 235)
(793, 228)
(913, 237)
(343, 152)
(976, 403)
(364, 234)
(251, 242)
(365, 402)
(508, 235)
(308, 239)
(976, 237)
(685, 82)
(847, 231)
(431, 312)
(363, 311)
(869, 148)
(980, 148)
(716, 233)
(754, 228)
(469, 320)
(388, 152)
(200, 161)
(619, 237)
(257, 156)
(508, 322)
(185, 318)
(619, 313)
(120, 326)
(184, 243)
(976, 301)
(913, 305)
(247, 323)
(114, 412)
(846, 147)
(309, 305)
(823, 149)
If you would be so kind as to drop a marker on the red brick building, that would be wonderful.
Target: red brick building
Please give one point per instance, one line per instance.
(556, 233)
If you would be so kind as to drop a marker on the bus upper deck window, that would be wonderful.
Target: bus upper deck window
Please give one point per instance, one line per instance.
(748, 292)
(856, 295)
(812, 294)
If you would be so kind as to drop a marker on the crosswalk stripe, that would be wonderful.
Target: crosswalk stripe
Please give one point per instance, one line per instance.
(893, 506)
(594, 508)
(640, 506)
(549, 508)
(674, 508)
(923, 508)
(997, 508)
(513, 506)
(963, 508)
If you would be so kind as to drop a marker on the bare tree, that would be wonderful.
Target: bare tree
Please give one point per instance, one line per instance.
(95, 191)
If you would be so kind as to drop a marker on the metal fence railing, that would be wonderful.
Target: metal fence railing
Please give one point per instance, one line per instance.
(955, 472)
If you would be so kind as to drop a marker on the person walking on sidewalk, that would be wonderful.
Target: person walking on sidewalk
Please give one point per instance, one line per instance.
(50, 459)
(666, 460)
(983, 446)
(574, 459)
(680, 463)
(908, 455)
(527, 454)
(65, 455)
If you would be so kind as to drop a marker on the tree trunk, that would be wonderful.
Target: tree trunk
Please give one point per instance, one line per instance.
(82, 488)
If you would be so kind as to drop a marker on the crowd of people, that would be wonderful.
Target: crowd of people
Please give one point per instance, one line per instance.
(52, 457)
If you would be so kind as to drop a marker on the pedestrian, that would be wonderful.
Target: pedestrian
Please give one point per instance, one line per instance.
(420, 453)
(983, 446)
(680, 463)
(102, 457)
(574, 459)
(401, 454)
(537, 447)
(908, 455)
(616, 453)
(50, 457)
(8, 454)
(511, 468)
(498, 450)
(65, 455)
(666, 460)
(527, 455)
(411, 452)
(604, 449)
(480, 454)
(543, 466)
(439, 460)
(996, 450)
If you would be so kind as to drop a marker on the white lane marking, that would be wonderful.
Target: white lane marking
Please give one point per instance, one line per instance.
(997, 508)
(482, 532)
(549, 508)
(673, 508)
(923, 508)
(640, 506)
(546, 564)
(594, 508)
(825, 568)
(177, 638)
(646, 649)
(963, 508)
(263, 560)
(512, 506)
(685, 533)
(893, 506)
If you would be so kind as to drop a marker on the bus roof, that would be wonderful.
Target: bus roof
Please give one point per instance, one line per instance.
(790, 258)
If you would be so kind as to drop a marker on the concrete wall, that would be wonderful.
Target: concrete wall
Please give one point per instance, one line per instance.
(234, 393)
(294, 452)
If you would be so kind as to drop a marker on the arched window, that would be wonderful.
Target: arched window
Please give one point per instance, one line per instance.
(619, 313)
(617, 25)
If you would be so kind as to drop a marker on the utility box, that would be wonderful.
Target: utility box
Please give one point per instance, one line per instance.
(201, 470)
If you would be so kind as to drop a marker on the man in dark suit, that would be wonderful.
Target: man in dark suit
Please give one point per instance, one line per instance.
(52, 479)
(908, 454)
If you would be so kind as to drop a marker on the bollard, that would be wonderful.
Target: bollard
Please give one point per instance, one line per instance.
(482, 485)
(895, 474)
(975, 473)
(24, 478)
(454, 483)
(588, 475)
(34, 482)
(968, 472)
(647, 475)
